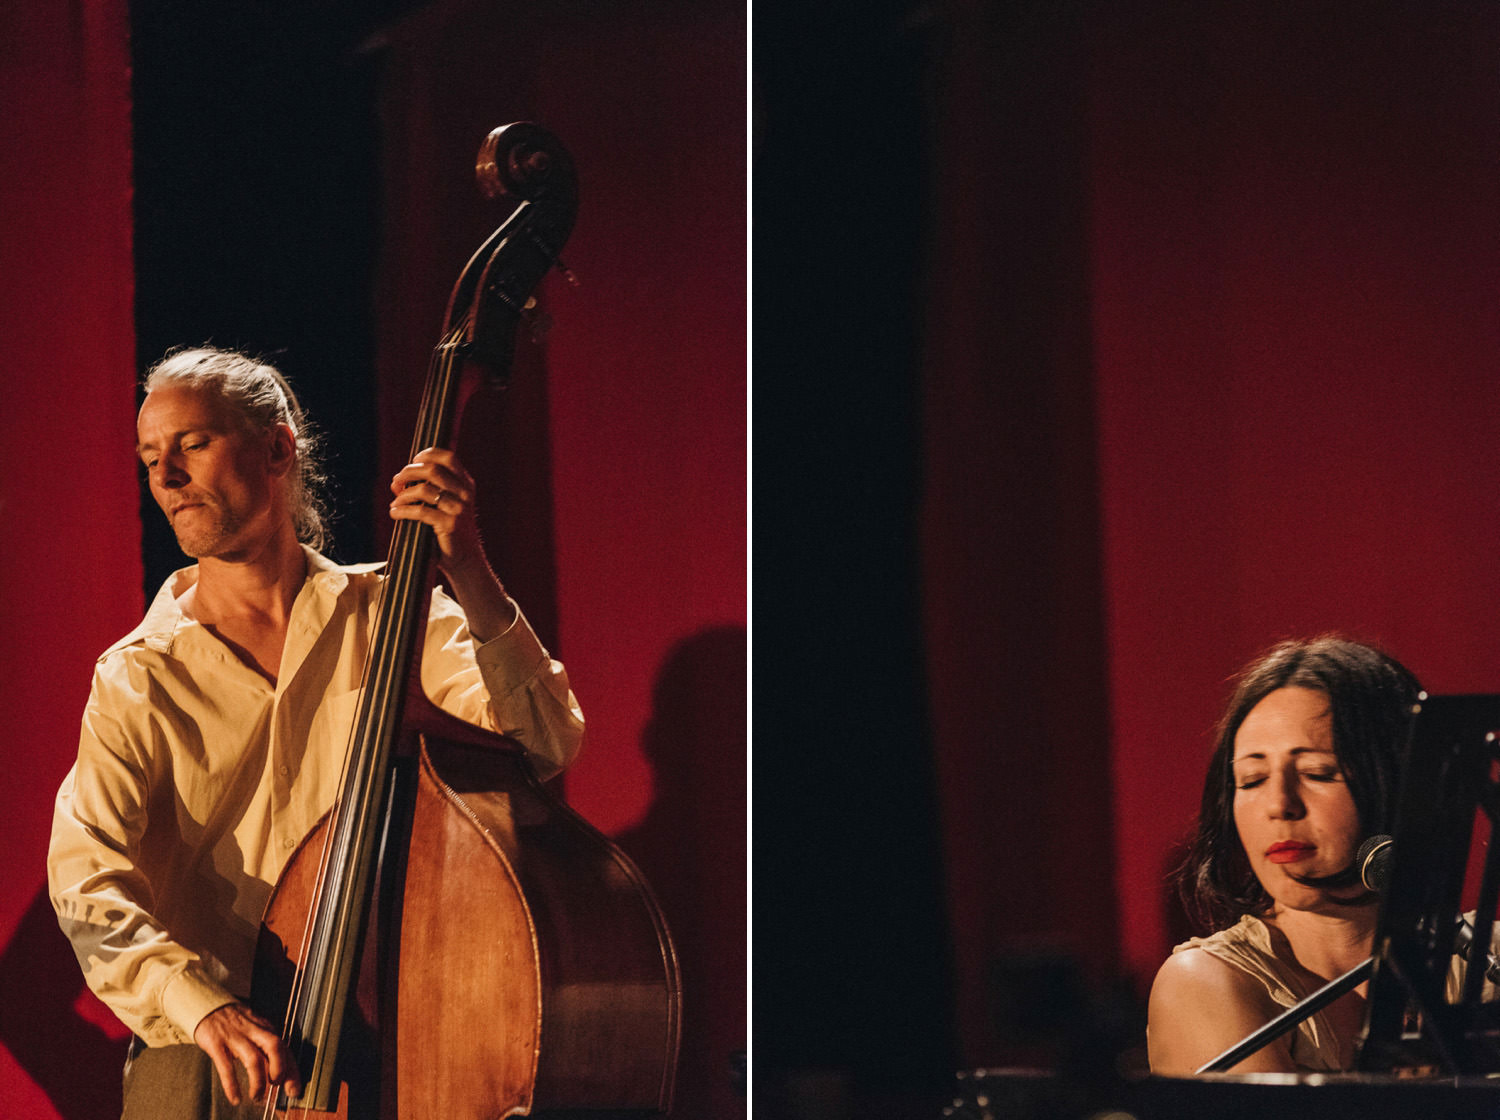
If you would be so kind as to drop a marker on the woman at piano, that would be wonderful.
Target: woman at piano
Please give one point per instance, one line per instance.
(1304, 769)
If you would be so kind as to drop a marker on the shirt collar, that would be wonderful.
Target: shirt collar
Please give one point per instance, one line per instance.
(165, 620)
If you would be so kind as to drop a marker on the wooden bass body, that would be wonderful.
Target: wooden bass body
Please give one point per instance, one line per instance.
(515, 961)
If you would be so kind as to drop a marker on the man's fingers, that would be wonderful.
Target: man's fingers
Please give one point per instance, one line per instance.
(236, 1035)
(250, 1056)
(273, 1061)
(429, 493)
(440, 471)
(224, 1066)
(281, 1070)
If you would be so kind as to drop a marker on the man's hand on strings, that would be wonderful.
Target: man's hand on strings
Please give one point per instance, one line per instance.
(233, 1035)
(435, 489)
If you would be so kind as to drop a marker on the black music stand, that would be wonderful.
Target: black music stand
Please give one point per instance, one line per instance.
(1450, 774)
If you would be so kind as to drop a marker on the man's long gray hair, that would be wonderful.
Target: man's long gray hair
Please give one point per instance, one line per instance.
(261, 397)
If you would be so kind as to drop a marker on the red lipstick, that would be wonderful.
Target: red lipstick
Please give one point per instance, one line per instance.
(1290, 851)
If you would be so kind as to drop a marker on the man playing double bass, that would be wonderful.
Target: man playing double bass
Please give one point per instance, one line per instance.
(215, 731)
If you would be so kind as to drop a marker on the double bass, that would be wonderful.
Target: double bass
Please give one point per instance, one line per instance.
(451, 941)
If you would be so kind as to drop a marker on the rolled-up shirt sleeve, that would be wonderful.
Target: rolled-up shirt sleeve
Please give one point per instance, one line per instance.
(158, 988)
(510, 684)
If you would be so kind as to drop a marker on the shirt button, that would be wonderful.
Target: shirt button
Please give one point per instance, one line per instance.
(283, 770)
(289, 843)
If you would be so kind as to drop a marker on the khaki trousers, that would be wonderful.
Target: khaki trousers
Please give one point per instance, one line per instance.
(178, 1083)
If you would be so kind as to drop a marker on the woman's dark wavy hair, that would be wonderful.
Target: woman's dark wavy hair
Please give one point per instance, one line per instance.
(1371, 696)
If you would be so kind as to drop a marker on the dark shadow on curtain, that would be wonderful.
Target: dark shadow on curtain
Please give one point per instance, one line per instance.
(691, 847)
(75, 1062)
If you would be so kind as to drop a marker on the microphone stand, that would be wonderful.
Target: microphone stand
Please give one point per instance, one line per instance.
(1290, 1018)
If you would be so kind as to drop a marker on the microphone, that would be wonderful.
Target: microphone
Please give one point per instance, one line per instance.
(1374, 862)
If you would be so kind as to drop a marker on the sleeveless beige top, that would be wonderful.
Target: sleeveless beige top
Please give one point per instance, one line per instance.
(1252, 946)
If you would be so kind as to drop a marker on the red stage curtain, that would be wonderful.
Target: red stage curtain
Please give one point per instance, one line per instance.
(1210, 364)
(1296, 250)
(1010, 540)
(70, 557)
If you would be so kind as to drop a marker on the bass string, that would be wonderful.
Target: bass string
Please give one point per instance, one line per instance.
(396, 609)
(322, 883)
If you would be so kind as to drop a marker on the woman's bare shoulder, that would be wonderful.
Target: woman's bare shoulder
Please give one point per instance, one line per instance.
(1194, 967)
(1201, 1006)
(1191, 978)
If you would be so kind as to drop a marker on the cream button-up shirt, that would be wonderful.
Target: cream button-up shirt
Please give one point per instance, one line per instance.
(197, 778)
